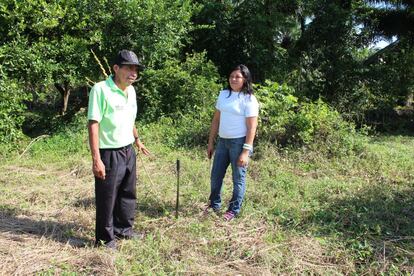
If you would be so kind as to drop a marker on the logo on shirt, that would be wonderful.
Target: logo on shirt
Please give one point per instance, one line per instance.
(119, 107)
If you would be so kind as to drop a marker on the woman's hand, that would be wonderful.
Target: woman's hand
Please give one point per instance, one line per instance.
(213, 133)
(210, 150)
(243, 159)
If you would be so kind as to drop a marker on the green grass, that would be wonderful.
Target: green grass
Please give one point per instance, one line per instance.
(303, 213)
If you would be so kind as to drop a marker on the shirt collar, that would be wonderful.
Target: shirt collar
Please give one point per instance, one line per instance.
(110, 82)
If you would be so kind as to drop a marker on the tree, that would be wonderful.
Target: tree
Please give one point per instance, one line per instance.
(52, 40)
(49, 44)
(249, 32)
(46, 45)
(390, 18)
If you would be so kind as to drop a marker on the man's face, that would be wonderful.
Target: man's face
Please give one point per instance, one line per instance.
(126, 74)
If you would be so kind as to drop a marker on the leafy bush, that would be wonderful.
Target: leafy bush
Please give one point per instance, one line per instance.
(323, 129)
(39, 123)
(71, 124)
(177, 101)
(287, 121)
(12, 110)
(187, 87)
(277, 109)
(189, 130)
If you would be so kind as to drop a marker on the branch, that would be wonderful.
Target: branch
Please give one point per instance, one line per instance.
(100, 64)
(32, 142)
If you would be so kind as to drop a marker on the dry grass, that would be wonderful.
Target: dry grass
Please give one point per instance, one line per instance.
(46, 225)
(47, 222)
(28, 254)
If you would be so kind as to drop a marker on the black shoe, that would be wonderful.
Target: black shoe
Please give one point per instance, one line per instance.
(110, 245)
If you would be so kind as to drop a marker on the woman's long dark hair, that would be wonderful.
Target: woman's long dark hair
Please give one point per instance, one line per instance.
(247, 82)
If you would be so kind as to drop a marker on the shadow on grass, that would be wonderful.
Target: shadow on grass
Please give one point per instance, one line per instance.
(149, 207)
(17, 222)
(153, 208)
(378, 212)
(375, 224)
(85, 202)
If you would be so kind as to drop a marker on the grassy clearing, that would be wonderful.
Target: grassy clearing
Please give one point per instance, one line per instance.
(303, 214)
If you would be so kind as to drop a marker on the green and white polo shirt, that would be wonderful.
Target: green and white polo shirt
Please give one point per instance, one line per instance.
(115, 111)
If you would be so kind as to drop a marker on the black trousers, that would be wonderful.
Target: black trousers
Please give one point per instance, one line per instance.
(116, 195)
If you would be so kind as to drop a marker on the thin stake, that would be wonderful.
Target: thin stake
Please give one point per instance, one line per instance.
(177, 202)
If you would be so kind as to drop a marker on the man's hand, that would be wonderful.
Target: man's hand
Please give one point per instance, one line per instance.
(141, 147)
(98, 169)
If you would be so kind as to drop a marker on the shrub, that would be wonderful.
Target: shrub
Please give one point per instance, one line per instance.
(277, 109)
(12, 110)
(187, 87)
(188, 130)
(322, 128)
(288, 122)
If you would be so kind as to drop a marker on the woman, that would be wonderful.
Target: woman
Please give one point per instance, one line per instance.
(235, 121)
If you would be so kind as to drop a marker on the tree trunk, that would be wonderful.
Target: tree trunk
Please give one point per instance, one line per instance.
(65, 92)
(66, 95)
(409, 99)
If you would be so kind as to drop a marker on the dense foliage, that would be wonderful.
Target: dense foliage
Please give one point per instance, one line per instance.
(288, 121)
(320, 50)
(11, 110)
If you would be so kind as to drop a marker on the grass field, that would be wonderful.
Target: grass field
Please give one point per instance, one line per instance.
(303, 213)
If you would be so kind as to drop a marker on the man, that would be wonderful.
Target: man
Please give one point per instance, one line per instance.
(111, 114)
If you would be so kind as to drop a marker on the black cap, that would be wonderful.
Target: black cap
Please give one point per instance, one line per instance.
(128, 58)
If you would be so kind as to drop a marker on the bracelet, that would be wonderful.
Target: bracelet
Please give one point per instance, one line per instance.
(248, 146)
(136, 138)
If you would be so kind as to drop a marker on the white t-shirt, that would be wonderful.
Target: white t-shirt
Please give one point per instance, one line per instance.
(233, 113)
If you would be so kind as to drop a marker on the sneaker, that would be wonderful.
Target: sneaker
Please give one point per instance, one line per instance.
(229, 215)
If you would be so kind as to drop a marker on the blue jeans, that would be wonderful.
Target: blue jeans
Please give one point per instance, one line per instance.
(228, 152)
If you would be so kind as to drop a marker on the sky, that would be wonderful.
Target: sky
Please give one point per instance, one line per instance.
(383, 43)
